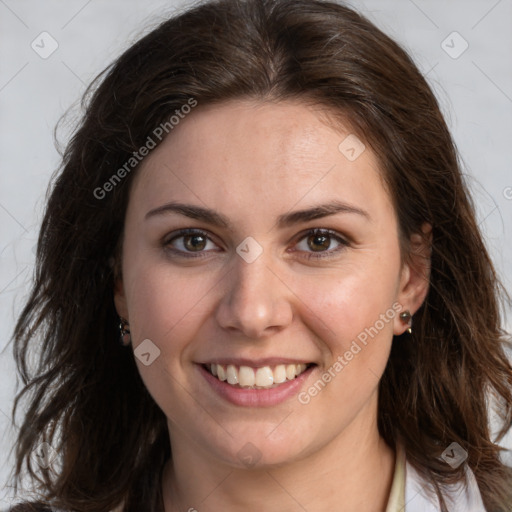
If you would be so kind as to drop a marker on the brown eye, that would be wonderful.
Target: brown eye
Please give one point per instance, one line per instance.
(320, 241)
(189, 243)
(194, 242)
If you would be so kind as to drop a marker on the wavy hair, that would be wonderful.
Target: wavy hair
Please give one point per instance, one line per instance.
(84, 395)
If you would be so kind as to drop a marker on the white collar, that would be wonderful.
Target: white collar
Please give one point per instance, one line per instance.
(458, 498)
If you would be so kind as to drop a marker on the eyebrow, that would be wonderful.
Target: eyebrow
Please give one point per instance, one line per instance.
(215, 218)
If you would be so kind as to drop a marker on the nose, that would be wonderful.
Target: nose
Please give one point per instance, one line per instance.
(256, 302)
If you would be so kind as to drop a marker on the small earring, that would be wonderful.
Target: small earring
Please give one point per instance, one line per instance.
(406, 318)
(124, 332)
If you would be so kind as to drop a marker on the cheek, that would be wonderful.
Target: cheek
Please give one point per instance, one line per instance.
(348, 305)
(161, 297)
(166, 307)
(353, 315)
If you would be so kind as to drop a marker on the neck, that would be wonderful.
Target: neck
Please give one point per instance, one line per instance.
(352, 472)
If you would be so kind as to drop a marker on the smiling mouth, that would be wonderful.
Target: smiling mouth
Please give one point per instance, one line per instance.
(265, 377)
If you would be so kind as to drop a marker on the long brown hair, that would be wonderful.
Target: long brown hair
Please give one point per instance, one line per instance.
(85, 396)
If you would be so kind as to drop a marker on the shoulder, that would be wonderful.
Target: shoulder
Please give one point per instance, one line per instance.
(460, 498)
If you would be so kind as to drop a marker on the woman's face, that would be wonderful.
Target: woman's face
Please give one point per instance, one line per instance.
(251, 290)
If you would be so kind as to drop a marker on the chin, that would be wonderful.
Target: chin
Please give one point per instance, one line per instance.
(255, 451)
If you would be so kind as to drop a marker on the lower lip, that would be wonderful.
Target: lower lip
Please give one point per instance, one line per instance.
(256, 397)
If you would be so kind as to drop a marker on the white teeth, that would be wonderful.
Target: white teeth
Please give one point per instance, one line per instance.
(246, 376)
(264, 377)
(290, 371)
(232, 374)
(221, 373)
(279, 373)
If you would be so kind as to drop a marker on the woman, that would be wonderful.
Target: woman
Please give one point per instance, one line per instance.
(261, 284)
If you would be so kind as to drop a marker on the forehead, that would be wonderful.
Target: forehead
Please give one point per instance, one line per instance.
(260, 153)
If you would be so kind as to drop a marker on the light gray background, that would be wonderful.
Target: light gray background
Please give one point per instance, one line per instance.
(475, 92)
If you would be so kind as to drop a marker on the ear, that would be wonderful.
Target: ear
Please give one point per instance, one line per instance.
(119, 292)
(120, 299)
(415, 275)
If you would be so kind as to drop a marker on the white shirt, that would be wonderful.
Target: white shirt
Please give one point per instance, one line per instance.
(458, 498)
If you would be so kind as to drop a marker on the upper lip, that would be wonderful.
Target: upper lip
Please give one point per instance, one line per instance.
(255, 363)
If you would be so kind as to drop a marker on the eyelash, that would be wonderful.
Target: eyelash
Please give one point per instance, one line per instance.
(311, 256)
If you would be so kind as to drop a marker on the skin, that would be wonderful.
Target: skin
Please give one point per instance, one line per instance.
(251, 162)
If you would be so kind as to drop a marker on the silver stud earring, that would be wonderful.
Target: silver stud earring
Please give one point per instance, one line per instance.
(124, 332)
(406, 318)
